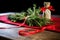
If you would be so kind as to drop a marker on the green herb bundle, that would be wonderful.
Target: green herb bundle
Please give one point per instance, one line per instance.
(31, 17)
(17, 17)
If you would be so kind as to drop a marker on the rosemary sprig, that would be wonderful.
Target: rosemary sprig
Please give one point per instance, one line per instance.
(31, 17)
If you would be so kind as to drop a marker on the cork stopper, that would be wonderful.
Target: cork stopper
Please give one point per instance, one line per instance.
(46, 4)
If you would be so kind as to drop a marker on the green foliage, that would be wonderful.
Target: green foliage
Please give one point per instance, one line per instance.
(33, 17)
(17, 16)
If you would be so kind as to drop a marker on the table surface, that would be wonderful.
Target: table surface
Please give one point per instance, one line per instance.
(13, 34)
(46, 35)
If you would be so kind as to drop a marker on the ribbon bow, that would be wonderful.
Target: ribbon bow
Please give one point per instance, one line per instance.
(50, 8)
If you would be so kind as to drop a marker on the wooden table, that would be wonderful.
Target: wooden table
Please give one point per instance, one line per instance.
(46, 35)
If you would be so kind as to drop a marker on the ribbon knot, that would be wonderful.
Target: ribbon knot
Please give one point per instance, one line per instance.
(50, 8)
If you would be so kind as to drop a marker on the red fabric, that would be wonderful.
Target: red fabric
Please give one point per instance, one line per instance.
(53, 27)
(26, 32)
(5, 19)
(30, 31)
(50, 8)
(56, 25)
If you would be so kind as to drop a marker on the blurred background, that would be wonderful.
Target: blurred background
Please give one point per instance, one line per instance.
(22, 5)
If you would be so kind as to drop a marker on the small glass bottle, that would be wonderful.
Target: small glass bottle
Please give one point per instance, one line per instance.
(47, 12)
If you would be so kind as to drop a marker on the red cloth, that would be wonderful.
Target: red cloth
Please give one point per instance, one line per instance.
(28, 31)
(50, 8)
(5, 19)
(54, 27)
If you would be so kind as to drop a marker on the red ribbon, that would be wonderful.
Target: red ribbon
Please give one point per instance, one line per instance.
(50, 8)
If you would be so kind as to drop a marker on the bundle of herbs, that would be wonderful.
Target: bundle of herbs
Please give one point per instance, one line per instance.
(17, 17)
(31, 17)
